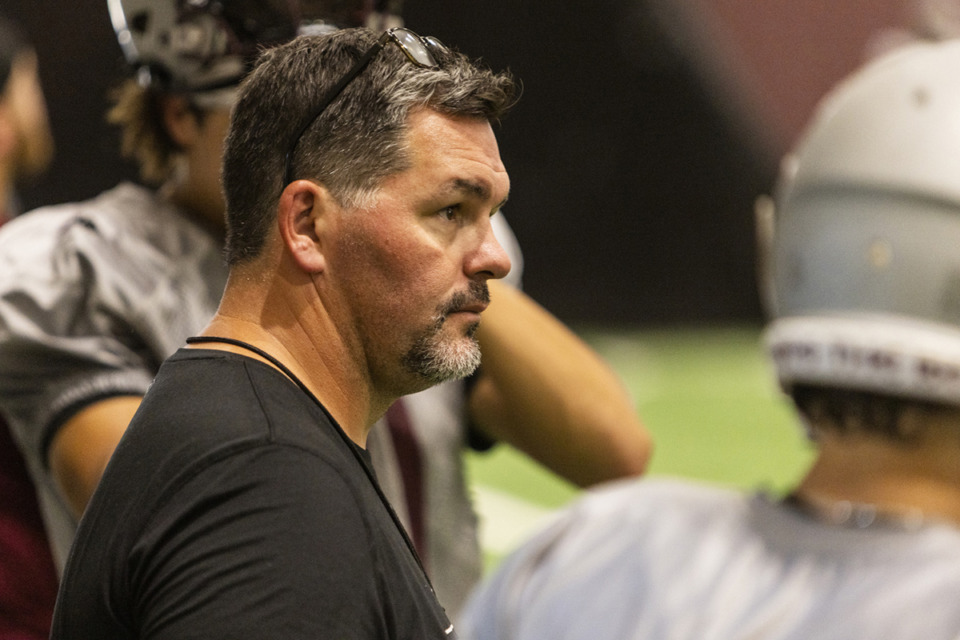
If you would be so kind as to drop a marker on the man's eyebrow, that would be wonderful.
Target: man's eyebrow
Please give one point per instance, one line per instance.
(477, 189)
(474, 188)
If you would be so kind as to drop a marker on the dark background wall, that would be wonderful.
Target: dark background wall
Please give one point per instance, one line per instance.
(631, 194)
(645, 131)
(79, 62)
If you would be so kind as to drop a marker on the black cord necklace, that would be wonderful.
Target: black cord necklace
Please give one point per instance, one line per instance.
(351, 445)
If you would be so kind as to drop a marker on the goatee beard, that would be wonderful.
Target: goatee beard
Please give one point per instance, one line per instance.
(437, 358)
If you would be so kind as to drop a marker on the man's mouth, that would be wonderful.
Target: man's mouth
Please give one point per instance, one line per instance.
(477, 307)
(476, 300)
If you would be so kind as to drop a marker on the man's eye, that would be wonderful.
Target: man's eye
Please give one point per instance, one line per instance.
(451, 213)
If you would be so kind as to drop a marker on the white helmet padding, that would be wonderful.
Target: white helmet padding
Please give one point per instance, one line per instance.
(865, 257)
(895, 356)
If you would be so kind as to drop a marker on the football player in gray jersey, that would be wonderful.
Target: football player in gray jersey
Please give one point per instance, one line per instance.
(862, 277)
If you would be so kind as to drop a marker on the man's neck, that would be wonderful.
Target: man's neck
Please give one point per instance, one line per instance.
(286, 321)
(895, 478)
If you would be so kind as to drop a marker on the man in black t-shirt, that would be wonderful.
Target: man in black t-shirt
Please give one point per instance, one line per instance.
(360, 174)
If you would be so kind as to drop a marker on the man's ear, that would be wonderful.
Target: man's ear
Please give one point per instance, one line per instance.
(303, 214)
(180, 120)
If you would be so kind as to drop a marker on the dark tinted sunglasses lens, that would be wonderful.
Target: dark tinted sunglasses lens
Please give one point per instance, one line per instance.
(414, 47)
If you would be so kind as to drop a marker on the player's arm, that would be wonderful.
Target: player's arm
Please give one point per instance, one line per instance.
(81, 448)
(74, 351)
(546, 392)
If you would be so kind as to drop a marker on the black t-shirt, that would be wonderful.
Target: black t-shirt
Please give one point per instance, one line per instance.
(235, 507)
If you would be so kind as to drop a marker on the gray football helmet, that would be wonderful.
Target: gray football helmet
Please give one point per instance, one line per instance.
(203, 45)
(862, 272)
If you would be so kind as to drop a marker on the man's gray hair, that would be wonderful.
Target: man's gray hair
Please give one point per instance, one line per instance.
(357, 142)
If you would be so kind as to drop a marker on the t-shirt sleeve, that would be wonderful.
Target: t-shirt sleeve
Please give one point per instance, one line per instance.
(264, 544)
(69, 334)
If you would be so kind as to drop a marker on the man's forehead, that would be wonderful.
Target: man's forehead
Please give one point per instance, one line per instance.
(466, 148)
(435, 131)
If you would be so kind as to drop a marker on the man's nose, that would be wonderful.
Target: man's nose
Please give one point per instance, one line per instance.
(490, 258)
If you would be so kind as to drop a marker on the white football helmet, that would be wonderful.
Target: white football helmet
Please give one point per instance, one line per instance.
(862, 275)
(204, 45)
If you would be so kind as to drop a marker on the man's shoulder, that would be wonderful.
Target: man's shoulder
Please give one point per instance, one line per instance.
(49, 229)
(125, 212)
(641, 519)
(126, 198)
(217, 414)
(636, 517)
(264, 404)
(645, 497)
(125, 239)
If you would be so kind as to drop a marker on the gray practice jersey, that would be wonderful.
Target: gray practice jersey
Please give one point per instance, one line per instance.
(669, 560)
(93, 297)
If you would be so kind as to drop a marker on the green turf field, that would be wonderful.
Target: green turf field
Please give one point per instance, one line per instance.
(706, 395)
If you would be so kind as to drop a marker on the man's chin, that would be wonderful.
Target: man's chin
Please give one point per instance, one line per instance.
(437, 361)
(462, 324)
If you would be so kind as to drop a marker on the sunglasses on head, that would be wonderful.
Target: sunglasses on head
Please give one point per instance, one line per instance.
(419, 51)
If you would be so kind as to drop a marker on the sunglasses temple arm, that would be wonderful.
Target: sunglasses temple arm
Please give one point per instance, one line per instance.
(329, 97)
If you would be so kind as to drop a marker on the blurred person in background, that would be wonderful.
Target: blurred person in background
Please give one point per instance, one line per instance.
(26, 145)
(28, 579)
(95, 295)
(862, 279)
